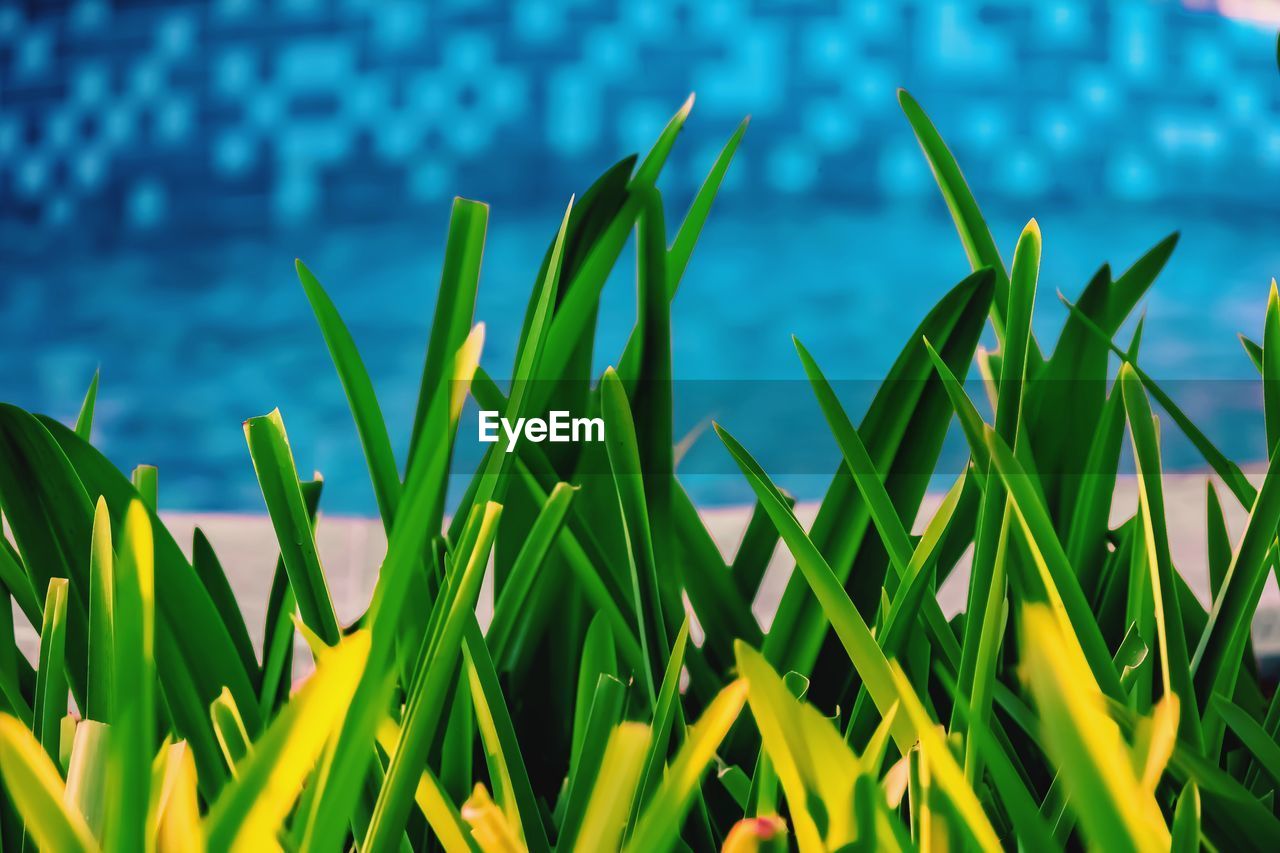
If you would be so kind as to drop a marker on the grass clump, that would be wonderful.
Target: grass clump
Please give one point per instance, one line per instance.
(1084, 697)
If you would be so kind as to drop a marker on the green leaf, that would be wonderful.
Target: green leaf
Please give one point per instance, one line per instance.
(1271, 369)
(1186, 821)
(666, 711)
(1174, 664)
(1255, 738)
(586, 767)
(278, 477)
(207, 566)
(133, 703)
(361, 399)
(145, 481)
(691, 228)
(229, 727)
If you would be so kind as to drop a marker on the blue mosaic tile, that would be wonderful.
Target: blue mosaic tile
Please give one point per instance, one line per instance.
(120, 117)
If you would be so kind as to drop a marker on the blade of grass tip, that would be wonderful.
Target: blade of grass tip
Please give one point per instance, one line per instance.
(455, 301)
(1174, 663)
(282, 492)
(624, 462)
(250, 810)
(361, 398)
(620, 768)
(1056, 581)
(690, 229)
(1084, 743)
(1253, 350)
(424, 707)
(1186, 821)
(1230, 473)
(84, 420)
(101, 616)
(277, 629)
(498, 734)
(178, 826)
(1255, 738)
(974, 234)
(1218, 539)
(229, 728)
(660, 823)
(1216, 662)
(649, 168)
(1271, 369)
(133, 703)
(51, 677)
(88, 787)
(145, 481)
(844, 618)
(36, 789)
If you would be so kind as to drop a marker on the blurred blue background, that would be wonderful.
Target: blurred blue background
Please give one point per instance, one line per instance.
(162, 163)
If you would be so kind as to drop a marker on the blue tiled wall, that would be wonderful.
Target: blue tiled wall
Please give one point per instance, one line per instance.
(135, 118)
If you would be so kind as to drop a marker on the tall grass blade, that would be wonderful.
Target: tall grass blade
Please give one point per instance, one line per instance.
(37, 790)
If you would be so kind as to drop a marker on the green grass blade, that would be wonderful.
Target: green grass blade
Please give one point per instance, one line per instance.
(133, 704)
(604, 712)
(1186, 821)
(146, 482)
(455, 302)
(361, 399)
(18, 581)
(1271, 369)
(84, 420)
(665, 713)
(690, 229)
(974, 234)
(207, 566)
(51, 677)
(282, 492)
(1175, 665)
(101, 617)
(1255, 738)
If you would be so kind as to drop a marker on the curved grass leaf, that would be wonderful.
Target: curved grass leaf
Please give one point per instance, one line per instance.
(605, 815)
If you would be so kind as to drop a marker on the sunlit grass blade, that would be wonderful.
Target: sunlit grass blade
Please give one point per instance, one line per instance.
(277, 630)
(51, 678)
(662, 818)
(603, 714)
(1271, 369)
(816, 768)
(441, 814)
(146, 481)
(1085, 744)
(282, 491)
(133, 705)
(605, 816)
(691, 228)
(37, 790)
(361, 399)
(88, 783)
(665, 713)
(250, 810)
(84, 420)
(177, 820)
